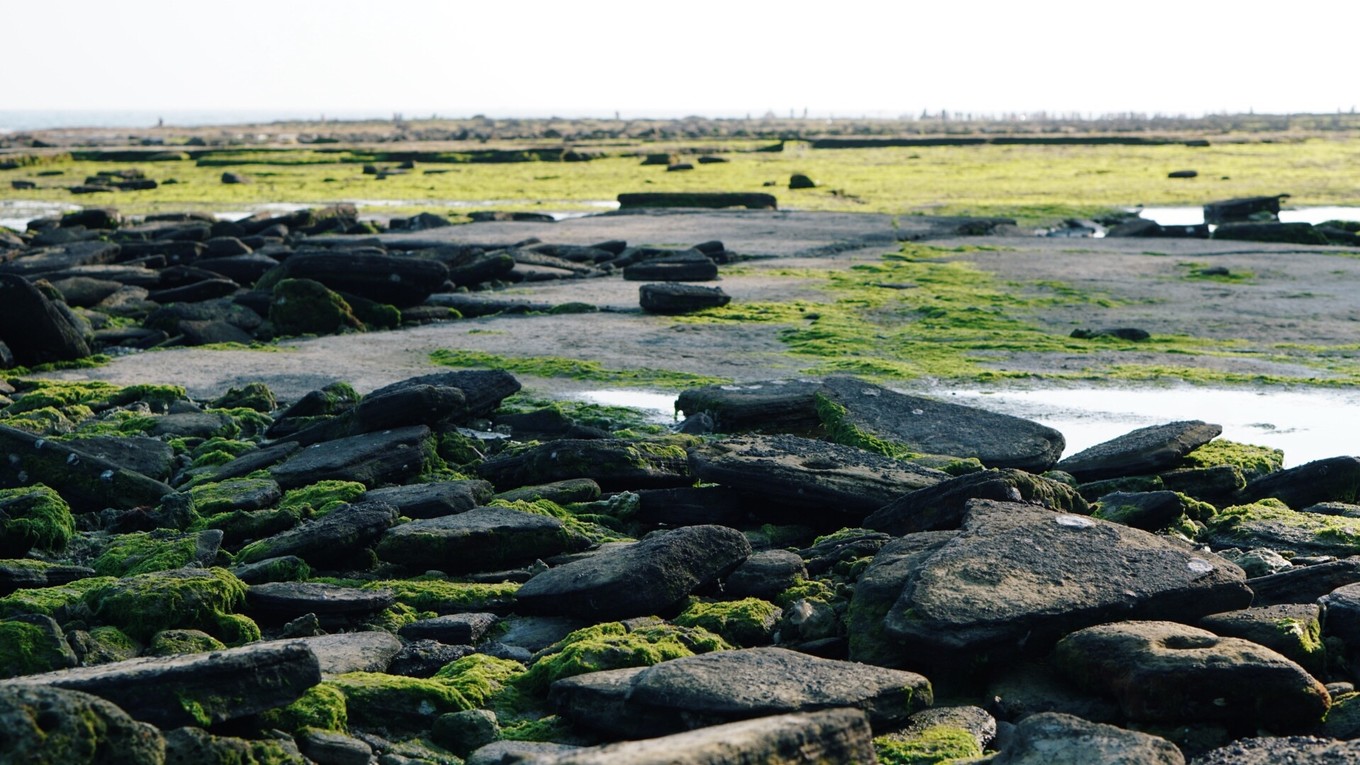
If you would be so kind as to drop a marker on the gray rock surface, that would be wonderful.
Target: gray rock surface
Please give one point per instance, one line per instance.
(1335, 479)
(431, 500)
(372, 459)
(343, 652)
(765, 574)
(1057, 739)
(942, 506)
(332, 604)
(334, 540)
(1139, 452)
(55, 726)
(86, 482)
(648, 577)
(615, 464)
(482, 539)
(772, 406)
(454, 629)
(1283, 749)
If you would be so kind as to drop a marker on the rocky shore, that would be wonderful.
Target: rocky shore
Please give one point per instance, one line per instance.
(443, 569)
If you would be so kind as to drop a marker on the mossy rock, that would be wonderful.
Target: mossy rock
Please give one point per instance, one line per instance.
(103, 645)
(30, 644)
(938, 744)
(380, 700)
(748, 622)
(613, 645)
(255, 395)
(33, 517)
(479, 678)
(318, 499)
(446, 597)
(185, 598)
(143, 552)
(93, 394)
(61, 602)
(1271, 524)
(1254, 461)
(54, 726)
(193, 746)
(321, 707)
(176, 642)
(307, 307)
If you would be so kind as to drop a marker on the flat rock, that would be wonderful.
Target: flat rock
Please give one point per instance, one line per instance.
(1292, 629)
(640, 579)
(344, 652)
(841, 484)
(942, 506)
(283, 601)
(765, 574)
(53, 725)
(615, 464)
(151, 457)
(482, 539)
(1017, 575)
(432, 500)
(854, 411)
(1051, 738)
(483, 389)
(1305, 584)
(36, 329)
(453, 629)
(1270, 525)
(831, 736)
(388, 279)
(773, 406)
(1335, 479)
(195, 689)
(1167, 672)
(337, 539)
(670, 298)
(85, 481)
(1146, 450)
(390, 456)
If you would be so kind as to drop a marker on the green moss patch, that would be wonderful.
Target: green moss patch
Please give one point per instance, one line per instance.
(61, 602)
(27, 649)
(1254, 461)
(574, 369)
(381, 700)
(938, 744)
(186, 598)
(175, 642)
(479, 678)
(142, 552)
(446, 597)
(613, 646)
(320, 498)
(321, 707)
(33, 517)
(747, 622)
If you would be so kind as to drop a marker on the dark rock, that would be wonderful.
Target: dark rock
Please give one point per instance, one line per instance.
(1142, 227)
(942, 506)
(1247, 208)
(1183, 174)
(192, 746)
(241, 269)
(307, 307)
(387, 279)
(453, 629)
(1048, 738)
(27, 574)
(482, 539)
(421, 222)
(225, 247)
(1269, 524)
(257, 459)
(196, 292)
(277, 602)
(561, 492)
(518, 753)
(85, 291)
(671, 298)
(85, 481)
(832, 484)
(462, 732)
(1305, 584)
(1283, 749)
(211, 332)
(151, 457)
(1215, 485)
(483, 389)
(326, 747)
(1133, 334)
(1335, 479)
(772, 406)
(692, 506)
(39, 645)
(192, 425)
(93, 217)
(432, 500)
(35, 328)
(346, 652)
(195, 689)
(338, 539)
(677, 166)
(751, 201)
(800, 181)
(53, 725)
(1273, 231)
(1018, 577)
(233, 178)
(614, 464)
(1292, 629)
(854, 411)
(684, 266)
(1171, 673)
(282, 568)
(1146, 510)
(1145, 450)
(765, 575)
(372, 459)
(833, 735)
(638, 579)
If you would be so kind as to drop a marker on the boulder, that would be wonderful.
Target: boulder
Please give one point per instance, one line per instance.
(831, 484)
(345, 652)
(389, 279)
(834, 735)
(859, 413)
(35, 328)
(765, 575)
(194, 689)
(481, 539)
(452, 629)
(1245, 208)
(55, 726)
(1271, 231)
(278, 602)
(433, 500)
(62, 258)
(1335, 479)
(684, 266)
(1051, 738)
(85, 481)
(1171, 673)
(1292, 629)
(942, 506)
(692, 506)
(1146, 450)
(1272, 750)
(373, 459)
(1269, 524)
(338, 539)
(308, 307)
(1305, 584)
(670, 298)
(483, 389)
(1018, 576)
(772, 406)
(638, 579)
(613, 463)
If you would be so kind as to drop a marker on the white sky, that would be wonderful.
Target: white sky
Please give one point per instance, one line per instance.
(728, 58)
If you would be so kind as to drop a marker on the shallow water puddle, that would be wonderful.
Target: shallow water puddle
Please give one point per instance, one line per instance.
(1307, 423)
(1193, 216)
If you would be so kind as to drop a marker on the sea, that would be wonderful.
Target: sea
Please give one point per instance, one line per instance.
(14, 121)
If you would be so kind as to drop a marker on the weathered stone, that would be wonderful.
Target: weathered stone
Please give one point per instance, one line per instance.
(336, 540)
(692, 506)
(840, 485)
(26, 573)
(1269, 524)
(1242, 209)
(373, 459)
(670, 298)
(751, 201)
(36, 330)
(194, 746)
(454, 629)
(278, 602)
(482, 539)
(1271, 231)
(85, 481)
(683, 266)
(1019, 576)
(54, 726)
(326, 747)
(308, 307)
(1057, 739)
(432, 500)
(56, 260)
(1335, 479)
(1305, 584)
(345, 652)
(942, 506)
(769, 407)
(639, 579)
(765, 574)
(879, 588)
(195, 689)
(483, 389)
(1292, 629)
(33, 643)
(386, 279)
(1172, 673)
(1283, 749)
(148, 456)
(1146, 450)
(836, 735)
(613, 463)
(1341, 616)
(859, 413)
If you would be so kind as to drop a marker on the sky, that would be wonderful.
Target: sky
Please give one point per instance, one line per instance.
(732, 58)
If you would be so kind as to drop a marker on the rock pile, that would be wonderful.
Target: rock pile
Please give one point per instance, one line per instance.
(356, 577)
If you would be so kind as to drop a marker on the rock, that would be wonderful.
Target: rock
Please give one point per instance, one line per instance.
(517, 753)
(277, 602)
(373, 459)
(942, 506)
(33, 643)
(241, 269)
(639, 579)
(1272, 231)
(613, 463)
(194, 689)
(1269, 524)
(453, 629)
(85, 481)
(692, 506)
(1146, 510)
(672, 298)
(1341, 616)
(771, 407)
(482, 539)
(1171, 673)
(1183, 174)
(25, 573)
(1145, 450)
(483, 389)
(234, 178)
(683, 266)
(719, 687)
(1283, 749)
(879, 588)
(1292, 629)
(751, 201)
(193, 746)
(765, 575)
(1018, 577)
(388, 279)
(1246, 208)
(148, 456)
(800, 181)
(1057, 739)
(307, 307)
(462, 732)
(326, 747)
(85, 291)
(54, 726)
(1305, 584)
(334, 540)
(61, 260)
(835, 735)
(1335, 479)
(829, 484)
(433, 500)
(424, 658)
(1132, 334)
(859, 413)
(346, 652)
(34, 328)
(206, 289)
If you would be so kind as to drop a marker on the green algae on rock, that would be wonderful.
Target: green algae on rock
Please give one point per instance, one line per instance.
(382, 700)
(33, 517)
(747, 622)
(480, 678)
(30, 644)
(322, 707)
(933, 746)
(445, 597)
(142, 552)
(614, 645)
(307, 307)
(143, 605)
